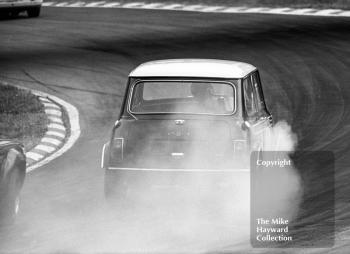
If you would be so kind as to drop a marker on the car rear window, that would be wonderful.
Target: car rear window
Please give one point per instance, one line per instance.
(188, 97)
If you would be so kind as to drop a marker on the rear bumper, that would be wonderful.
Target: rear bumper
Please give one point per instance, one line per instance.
(204, 163)
(186, 189)
(139, 180)
(195, 161)
(176, 170)
(20, 4)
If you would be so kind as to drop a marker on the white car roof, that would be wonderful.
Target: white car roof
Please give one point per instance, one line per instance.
(208, 68)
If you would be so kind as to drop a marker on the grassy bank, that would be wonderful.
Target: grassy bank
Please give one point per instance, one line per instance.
(22, 116)
(316, 4)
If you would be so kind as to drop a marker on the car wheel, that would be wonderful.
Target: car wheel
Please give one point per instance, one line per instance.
(10, 199)
(33, 12)
(9, 209)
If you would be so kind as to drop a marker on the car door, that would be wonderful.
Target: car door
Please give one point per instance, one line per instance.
(257, 117)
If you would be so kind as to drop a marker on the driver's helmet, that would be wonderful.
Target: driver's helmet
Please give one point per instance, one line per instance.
(201, 91)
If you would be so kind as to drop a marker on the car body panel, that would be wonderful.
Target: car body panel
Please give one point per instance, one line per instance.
(12, 174)
(170, 143)
(150, 183)
(8, 4)
(195, 68)
(175, 145)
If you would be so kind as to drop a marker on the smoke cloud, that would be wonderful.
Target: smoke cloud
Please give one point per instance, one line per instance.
(200, 211)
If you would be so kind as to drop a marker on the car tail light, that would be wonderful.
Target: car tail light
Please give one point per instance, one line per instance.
(117, 150)
(240, 145)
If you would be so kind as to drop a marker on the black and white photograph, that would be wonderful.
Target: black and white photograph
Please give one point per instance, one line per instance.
(175, 126)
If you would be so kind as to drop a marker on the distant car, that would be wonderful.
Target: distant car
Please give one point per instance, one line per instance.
(185, 115)
(14, 7)
(12, 174)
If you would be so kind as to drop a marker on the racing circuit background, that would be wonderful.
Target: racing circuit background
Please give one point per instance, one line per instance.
(84, 55)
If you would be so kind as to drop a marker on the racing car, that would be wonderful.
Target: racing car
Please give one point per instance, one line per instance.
(14, 7)
(12, 174)
(184, 116)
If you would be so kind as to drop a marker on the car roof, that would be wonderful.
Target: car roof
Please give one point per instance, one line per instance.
(208, 68)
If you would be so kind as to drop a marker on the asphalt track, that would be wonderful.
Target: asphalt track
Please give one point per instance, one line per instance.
(84, 57)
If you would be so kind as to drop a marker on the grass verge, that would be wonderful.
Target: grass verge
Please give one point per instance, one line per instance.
(316, 4)
(22, 116)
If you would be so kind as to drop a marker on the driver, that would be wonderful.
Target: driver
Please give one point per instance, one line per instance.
(203, 94)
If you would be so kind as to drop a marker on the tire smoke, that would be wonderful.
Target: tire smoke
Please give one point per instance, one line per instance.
(202, 211)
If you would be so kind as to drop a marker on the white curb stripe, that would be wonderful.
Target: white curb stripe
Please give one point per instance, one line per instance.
(55, 120)
(34, 156)
(76, 4)
(48, 3)
(54, 112)
(55, 133)
(62, 4)
(256, 9)
(56, 126)
(48, 145)
(329, 11)
(45, 148)
(73, 115)
(133, 5)
(172, 6)
(234, 10)
(114, 4)
(304, 11)
(44, 99)
(152, 6)
(279, 10)
(95, 4)
(212, 8)
(51, 105)
(193, 7)
(53, 141)
(204, 8)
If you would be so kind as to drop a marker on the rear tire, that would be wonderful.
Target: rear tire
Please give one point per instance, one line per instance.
(9, 211)
(34, 12)
(9, 207)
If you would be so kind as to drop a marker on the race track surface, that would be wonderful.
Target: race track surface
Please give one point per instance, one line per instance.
(84, 57)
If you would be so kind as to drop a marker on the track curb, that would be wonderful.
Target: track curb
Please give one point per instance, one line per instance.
(201, 8)
(56, 140)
